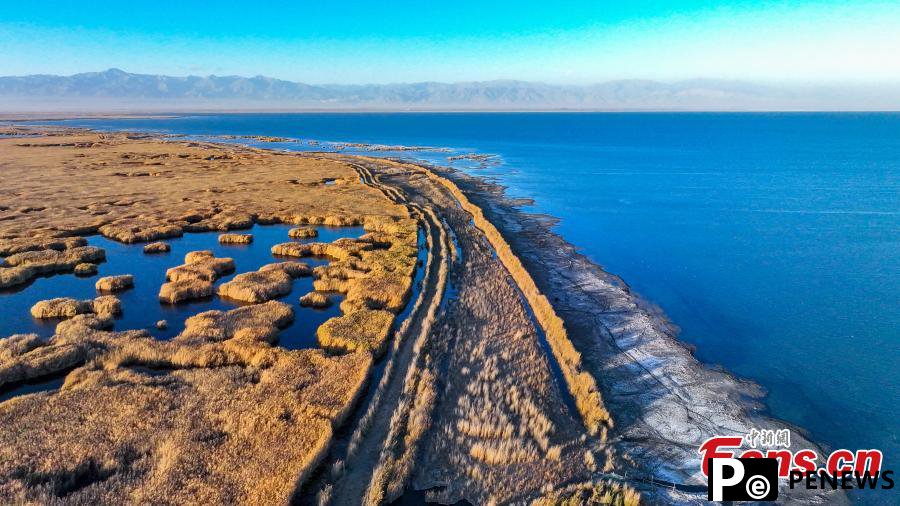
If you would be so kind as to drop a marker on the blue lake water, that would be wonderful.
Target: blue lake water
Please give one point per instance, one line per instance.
(141, 308)
(771, 240)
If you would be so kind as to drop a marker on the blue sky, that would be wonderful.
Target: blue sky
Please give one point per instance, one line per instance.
(403, 41)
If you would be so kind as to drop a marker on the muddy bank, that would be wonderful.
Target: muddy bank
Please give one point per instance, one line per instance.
(664, 402)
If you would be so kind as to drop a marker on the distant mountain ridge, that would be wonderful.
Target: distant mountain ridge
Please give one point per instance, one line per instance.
(115, 89)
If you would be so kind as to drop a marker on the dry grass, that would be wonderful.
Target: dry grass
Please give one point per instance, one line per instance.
(269, 282)
(22, 244)
(142, 229)
(24, 266)
(157, 247)
(174, 292)
(412, 417)
(114, 283)
(365, 329)
(66, 307)
(194, 279)
(201, 266)
(169, 422)
(78, 322)
(14, 276)
(217, 414)
(401, 336)
(256, 287)
(18, 344)
(581, 384)
(374, 272)
(500, 431)
(293, 269)
(342, 249)
(192, 187)
(316, 299)
(591, 494)
(106, 305)
(303, 232)
(260, 322)
(235, 238)
(85, 269)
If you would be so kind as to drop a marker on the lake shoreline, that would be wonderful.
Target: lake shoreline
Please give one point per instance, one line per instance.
(664, 402)
(654, 421)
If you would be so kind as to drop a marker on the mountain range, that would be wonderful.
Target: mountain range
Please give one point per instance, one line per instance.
(117, 90)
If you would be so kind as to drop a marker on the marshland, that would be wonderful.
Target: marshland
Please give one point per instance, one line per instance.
(270, 327)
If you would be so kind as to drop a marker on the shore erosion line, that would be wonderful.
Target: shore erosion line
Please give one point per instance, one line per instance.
(665, 401)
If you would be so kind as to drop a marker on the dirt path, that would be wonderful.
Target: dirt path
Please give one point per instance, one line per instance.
(499, 427)
(351, 486)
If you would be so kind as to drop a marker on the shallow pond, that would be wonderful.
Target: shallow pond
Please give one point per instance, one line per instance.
(141, 308)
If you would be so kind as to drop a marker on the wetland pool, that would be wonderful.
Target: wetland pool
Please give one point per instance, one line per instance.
(141, 308)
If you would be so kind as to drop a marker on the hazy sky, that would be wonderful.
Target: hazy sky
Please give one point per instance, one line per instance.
(402, 41)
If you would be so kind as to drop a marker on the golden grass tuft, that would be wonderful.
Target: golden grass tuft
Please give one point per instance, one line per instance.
(85, 269)
(591, 494)
(365, 329)
(114, 283)
(194, 279)
(18, 344)
(257, 286)
(293, 269)
(106, 305)
(259, 322)
(141, 229)
(174, 292)
(50, 260)
(303, 232)
(157, 247)
(81, 322)
(382, 290)
(235, 238)
(14, 276)
(315, 299)
(200, 265)
(342, 249)
(67, 307)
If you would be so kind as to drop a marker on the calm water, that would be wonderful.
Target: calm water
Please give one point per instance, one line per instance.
(772, 240)
(141, 308)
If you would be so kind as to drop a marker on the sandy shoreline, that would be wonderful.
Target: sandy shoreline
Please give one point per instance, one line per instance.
(664, 403)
